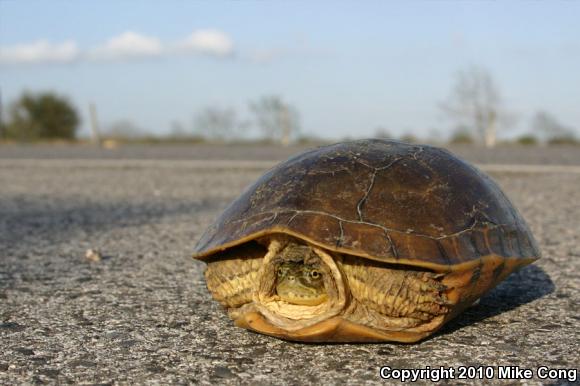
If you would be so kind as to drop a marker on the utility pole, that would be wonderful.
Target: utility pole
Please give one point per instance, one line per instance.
(285, 123)
(96, 137)
(490, 132)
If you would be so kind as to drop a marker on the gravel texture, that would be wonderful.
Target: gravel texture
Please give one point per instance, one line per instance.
(140, 312)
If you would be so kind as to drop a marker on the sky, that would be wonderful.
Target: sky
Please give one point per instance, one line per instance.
(347, 67)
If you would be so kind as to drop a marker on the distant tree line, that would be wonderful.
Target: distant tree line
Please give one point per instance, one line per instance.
(47, 115)
(277, 120)
(474, 105)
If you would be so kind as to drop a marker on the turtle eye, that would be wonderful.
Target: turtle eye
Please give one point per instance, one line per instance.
(315, 274)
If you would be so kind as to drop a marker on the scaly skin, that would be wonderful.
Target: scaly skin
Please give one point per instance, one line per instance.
(298, 283)
(293, 287)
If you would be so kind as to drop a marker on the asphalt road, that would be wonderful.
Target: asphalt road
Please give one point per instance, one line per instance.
(143, 315)
(536, 155)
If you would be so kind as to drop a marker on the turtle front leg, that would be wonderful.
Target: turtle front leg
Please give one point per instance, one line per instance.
(231, 278)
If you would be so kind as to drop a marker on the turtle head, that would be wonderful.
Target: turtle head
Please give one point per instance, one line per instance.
(299, 283)
(300, 276)
(298, 286)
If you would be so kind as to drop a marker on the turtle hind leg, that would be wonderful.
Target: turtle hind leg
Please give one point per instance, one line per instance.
(390, 298)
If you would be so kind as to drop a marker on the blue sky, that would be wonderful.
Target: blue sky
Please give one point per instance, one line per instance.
(348, 67)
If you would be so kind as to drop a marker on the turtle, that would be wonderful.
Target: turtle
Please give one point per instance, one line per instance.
(362, 241)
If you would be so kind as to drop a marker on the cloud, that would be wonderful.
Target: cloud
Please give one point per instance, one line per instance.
(127, 45)
(131, 45)
(41, 51)
(208, 41)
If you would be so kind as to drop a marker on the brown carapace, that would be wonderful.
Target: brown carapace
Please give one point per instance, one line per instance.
(362, 241)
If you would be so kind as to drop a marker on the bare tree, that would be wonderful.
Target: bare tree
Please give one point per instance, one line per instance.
(548, 126)
(278, 120)
(216, 123)
(475, 102)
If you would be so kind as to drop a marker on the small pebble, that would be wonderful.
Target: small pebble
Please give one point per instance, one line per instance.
(93, 255)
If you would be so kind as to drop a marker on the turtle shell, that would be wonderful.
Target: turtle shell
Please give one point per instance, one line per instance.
(383, 200)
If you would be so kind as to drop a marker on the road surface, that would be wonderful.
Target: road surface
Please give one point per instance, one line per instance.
(142, 313)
